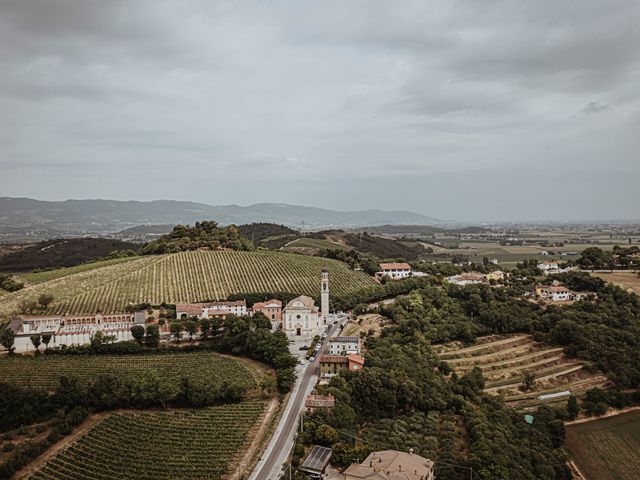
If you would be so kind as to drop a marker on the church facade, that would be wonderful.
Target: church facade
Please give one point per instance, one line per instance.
(302, 319)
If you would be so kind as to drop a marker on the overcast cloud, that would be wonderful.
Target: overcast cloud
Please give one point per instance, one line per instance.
(468, 110)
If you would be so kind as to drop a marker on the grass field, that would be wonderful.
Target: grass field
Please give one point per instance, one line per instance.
(505, 359)
(44, 371)
(187, 277)
(188, 444)
(607, 449)
(316, 243)
(47, 275)
(628, 280)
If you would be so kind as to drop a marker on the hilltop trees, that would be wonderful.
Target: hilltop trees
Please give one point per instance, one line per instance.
(203, 235)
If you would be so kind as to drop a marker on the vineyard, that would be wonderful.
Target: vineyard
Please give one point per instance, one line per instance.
(607, 449)
(187, 444)
(506, 361)
(44, 371)
(187, 277)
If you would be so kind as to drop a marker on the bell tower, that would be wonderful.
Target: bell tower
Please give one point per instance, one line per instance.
(324, 296)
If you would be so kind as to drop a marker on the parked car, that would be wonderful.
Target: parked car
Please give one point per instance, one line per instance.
(304, 347)
(312, 359)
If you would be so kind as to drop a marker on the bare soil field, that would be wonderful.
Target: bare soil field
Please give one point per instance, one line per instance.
(628, 280)
(365, 324)
(506, 360)
(606, 449)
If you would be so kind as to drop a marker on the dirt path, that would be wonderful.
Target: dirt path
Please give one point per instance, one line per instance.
(60, 445)
(610, 413)
(244, 465)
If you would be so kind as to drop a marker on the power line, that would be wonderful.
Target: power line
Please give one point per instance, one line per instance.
(383, 447)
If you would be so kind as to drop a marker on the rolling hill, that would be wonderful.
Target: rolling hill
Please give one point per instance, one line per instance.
(86, 216)
(187, 277)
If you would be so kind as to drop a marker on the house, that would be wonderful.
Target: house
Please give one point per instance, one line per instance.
(301, 319)
(547, 267)
(497, 276)
(71, 329)
(467, 278)
(316, 462)
(314, 402)
(395, 271)
(392, 465)
(554, 293)
(211, 309)
(345, 345)
(332, 365)
(272, 309)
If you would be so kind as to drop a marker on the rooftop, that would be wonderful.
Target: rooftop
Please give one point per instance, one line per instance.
(395, 266)
(391, 465)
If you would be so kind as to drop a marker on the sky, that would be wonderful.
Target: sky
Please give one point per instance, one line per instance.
(457, 109)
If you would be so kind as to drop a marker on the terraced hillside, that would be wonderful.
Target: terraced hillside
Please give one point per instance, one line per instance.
(187, 444)
(505, 361)
(187, 277)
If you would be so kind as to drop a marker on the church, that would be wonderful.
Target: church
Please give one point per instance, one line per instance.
(302, 319)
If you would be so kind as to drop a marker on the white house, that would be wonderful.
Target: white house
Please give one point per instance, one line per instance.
(211, 309)
(70, 330)
(554, 293)
(548, 267)
(395, 271)
(346, 345)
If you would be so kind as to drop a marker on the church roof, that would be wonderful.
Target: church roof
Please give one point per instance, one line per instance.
(307, 301)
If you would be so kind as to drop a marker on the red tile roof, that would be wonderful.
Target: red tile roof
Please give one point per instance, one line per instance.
(395, 266)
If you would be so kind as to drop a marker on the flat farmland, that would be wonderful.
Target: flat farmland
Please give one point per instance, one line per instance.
(185, 444)
(607, 449)
(628, 280)
(187, 277)
(44, 371)
(506, 360)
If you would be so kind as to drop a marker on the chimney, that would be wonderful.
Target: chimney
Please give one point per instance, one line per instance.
(399, 468)
(411, 451)
(370, 463)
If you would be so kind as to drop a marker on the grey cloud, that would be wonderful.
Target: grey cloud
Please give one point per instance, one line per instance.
(338, 98)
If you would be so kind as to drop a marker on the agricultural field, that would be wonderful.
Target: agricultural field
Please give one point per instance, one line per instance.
(606, 449)
(187, 277)
(45, 276)
(44, 371)
(185, 444)
(506, 360)
(316, 243)
(628, 280)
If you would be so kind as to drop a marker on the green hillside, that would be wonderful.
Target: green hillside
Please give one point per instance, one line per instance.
(187, 277)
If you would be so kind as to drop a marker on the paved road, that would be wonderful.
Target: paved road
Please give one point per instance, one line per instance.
(280, 446)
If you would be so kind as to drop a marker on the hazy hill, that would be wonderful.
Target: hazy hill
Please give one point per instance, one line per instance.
(95, 216)
(61, 253)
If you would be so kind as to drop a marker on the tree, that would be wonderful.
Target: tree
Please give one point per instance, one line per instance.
(326, 435)
(205, 325)
(191, 327)
(573, 407)
(529, 380)
(137, 331)
(46, 338)
(152, 338)
(27, 306)
(176, 330)
(36, 340)
(7, 339)
(44, 300)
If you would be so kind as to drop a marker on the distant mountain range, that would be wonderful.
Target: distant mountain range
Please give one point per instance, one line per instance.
(25, 215)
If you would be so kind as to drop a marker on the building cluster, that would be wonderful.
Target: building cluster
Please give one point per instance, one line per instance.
(72, 329)
(476, 278)
(559, 293)
(553, 268)
(381, 465)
